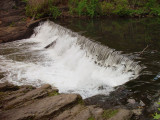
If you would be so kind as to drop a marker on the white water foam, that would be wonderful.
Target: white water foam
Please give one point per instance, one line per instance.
(62, 58)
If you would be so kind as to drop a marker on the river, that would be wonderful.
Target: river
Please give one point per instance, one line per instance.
(89, 57)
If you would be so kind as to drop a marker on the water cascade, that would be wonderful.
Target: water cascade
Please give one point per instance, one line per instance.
(67, 60)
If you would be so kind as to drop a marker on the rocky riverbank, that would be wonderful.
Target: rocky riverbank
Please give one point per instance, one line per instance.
(13, 22)
(45, 103)
(27, 102)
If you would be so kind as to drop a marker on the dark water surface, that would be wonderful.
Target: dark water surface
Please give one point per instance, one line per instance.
(138, 37)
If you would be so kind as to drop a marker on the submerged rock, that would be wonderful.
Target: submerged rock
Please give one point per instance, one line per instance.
(51, 44)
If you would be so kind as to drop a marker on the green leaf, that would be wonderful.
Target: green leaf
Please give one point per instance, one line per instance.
(156, 116)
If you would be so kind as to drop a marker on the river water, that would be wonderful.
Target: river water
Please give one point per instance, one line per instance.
(89, 57)
(138, 38)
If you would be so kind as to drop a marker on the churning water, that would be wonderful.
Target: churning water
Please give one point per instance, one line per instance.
(67, 60)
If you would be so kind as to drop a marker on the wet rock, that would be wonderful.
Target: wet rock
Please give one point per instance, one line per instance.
(96, 112)
(142, 103)
(83, 115)
(122, 114)
(137, 112)
(51, 45)
(44, 108)
(138, 115)
(15, 94)
(9, 33)
(8, 87)
(153, 107)
(68, 114)
(81, 112)
(34, 94)
(89, 112)
(132, 104)
(131, 101)
(116, 99)
(46, 104)
(34, 23)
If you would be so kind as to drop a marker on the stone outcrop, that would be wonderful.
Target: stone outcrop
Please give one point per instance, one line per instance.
(13, 22)
(45, 103)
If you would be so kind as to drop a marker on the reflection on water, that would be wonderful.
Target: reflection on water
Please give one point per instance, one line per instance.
(130, 36)
(127, 35)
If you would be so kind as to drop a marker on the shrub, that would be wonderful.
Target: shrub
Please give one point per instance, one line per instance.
(106, 8)
(150, 4)
(91, 7)
(122, 8)
(42, 8)
(155, 11)
(83, 7)
(152, 7)
(71, 5)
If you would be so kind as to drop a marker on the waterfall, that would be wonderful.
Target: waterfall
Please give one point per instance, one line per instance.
(73, 63)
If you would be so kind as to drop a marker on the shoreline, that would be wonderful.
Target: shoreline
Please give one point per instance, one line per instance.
(47, 103)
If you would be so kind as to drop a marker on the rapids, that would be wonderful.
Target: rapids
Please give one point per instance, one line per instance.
(71, 62)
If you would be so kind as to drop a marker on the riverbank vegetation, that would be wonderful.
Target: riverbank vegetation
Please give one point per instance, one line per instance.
(92, 8)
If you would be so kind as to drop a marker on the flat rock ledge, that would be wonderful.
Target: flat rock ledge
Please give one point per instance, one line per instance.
(45, 103)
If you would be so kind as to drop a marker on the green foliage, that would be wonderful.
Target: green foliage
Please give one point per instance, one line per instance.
(122, 11)
(121, 8)
(25, 1)
(106, 8)
(109, 113)
(80, 101)
(84, 7)
(138, 12)
(46, 8)
(54, 93)
(55, 12)
(81, 6)
(152, 7)
(91, 118)
(150, 4)
(157, 116)
(12, 24)
(39, 15)
(72, 6)
(155, 11)
(91, 7)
